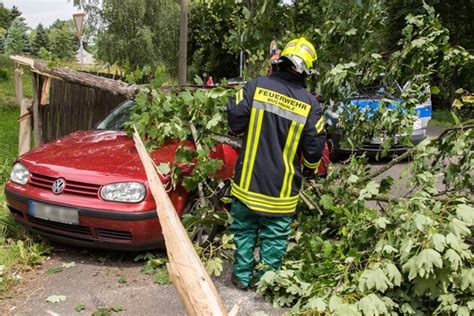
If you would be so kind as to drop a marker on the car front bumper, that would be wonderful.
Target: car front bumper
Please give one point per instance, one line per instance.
(97, 228)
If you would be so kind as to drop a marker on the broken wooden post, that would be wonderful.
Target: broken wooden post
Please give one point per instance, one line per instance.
(37, 124)
(24, 137)
(187, 273)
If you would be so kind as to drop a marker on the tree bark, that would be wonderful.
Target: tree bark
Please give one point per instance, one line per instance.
(85, 79)
(183, 43)
(193, 284)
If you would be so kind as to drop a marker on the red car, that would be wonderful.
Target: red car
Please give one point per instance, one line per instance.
(89, 188)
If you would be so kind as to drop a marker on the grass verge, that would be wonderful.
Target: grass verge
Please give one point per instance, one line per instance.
(19, 252)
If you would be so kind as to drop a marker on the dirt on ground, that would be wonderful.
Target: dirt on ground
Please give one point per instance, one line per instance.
(102, 279)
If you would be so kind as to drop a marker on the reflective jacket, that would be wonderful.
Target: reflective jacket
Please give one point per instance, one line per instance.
(283, 128)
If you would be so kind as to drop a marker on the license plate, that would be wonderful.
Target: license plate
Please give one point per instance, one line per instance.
(53, 213)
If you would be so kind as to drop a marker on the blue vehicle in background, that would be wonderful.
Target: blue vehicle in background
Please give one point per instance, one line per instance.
(370, 102)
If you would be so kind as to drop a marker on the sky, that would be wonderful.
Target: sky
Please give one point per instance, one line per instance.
(42, 11)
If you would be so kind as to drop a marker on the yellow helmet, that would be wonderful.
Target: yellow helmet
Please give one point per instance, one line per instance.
(301, 53)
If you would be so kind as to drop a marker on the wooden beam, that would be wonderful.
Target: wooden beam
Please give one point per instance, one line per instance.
(85, 79)
(195, 287)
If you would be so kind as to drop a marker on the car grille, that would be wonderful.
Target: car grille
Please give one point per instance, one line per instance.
(76, 229)
(114, 234)
(72, 187)
(79, 229)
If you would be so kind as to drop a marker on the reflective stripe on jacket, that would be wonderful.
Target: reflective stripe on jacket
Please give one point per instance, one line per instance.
(283, 127)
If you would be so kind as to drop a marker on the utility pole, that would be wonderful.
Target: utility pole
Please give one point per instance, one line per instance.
(183, 42)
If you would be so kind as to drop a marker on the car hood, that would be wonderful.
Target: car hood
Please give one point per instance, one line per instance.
(93, 153)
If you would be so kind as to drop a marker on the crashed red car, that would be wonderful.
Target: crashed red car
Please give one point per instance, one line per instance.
(89, 188)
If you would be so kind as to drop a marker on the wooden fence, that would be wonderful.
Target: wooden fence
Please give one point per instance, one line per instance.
(64, 101)
(73, 107)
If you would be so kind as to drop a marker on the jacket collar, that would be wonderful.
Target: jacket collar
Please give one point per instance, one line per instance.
(289, 77)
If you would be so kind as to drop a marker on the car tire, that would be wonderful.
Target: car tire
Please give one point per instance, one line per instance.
(202, 234)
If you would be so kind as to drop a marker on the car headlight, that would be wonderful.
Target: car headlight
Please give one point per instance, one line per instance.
(131, 192)
(19, 174)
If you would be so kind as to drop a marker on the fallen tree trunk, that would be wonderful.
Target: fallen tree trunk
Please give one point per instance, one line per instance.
(187, 273)
(85, 79)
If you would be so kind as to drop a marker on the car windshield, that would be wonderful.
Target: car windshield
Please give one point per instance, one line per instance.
(116, 119)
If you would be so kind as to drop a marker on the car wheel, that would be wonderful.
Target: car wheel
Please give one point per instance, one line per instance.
(203, 233)
(334, 154)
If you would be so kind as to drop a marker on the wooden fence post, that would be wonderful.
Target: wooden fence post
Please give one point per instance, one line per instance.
(24, 137)
(37, 124)
(18, 84)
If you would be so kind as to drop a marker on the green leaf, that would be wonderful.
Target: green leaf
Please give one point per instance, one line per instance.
(317, 304)
(463, 311)
(411, 267)
(453, 257)
(372, 305)
(427, 260)
(352, 179)
(352, 31)
(161, 276)
(421, 221)
(370, 189)
(117, 308)
(55, 270)
(326, 201)
(56, 298)
(435, 90)
(459, 91)
(122, 280)
(338, 307)
(382, 222)
(393, 274)
(457, 104)
(467, 279)
(459, 228)
(217, 92)
(79, 307)
(214, 266)
(198, 80)
(465, 213)
(438, 241)
(375, 56)
(163, 168)
(216, 119)
(372, 279)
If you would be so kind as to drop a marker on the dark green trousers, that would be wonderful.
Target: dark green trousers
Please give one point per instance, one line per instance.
(247, 226)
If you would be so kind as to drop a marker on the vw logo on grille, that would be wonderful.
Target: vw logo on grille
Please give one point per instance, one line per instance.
(58, 186)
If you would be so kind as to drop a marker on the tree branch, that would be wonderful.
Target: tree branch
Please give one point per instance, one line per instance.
(409, 152)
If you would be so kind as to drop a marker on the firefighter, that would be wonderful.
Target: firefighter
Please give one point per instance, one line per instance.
(283, 139)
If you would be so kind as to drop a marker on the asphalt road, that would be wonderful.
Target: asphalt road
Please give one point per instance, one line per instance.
(93, 281)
